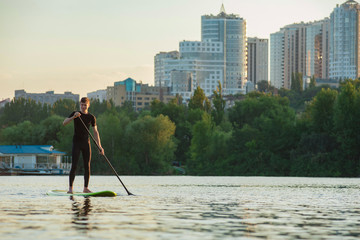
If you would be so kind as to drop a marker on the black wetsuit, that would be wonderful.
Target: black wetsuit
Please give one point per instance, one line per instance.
(81, 143)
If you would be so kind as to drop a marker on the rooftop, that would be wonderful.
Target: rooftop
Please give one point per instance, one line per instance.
(28, 149)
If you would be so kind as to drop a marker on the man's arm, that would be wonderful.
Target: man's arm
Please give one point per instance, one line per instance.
(68, 120)
(97, 139)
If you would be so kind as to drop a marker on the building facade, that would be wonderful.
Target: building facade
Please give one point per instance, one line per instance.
(277, 59)
(230, 30)
(99, 95)
(299, 48)
(344, 49)
(220, 56)
(46, 98)
(160, 62)
(258, 54)
(32, 159)
(140, 95)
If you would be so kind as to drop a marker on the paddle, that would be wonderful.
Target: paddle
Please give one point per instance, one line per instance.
(107, 160)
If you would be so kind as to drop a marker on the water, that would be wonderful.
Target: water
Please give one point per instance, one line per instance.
(182, 208)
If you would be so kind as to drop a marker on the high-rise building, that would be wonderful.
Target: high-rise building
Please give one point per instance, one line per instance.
(344, 48)
(160, 62)
(220, 56)
(230, 30)
(314, 45)
(294, 51)
(299, 48)
(257, 60)
(277, 59)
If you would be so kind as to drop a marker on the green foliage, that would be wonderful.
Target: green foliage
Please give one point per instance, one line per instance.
(199, 100)
(151, 144)
(19, 110)
(315, 132)
(264, 86)
(296, 82)
(312, 82)
(219, 105)
(64, 107)
(264, 132)
(97, 107)
(20, 134)
(321, 110)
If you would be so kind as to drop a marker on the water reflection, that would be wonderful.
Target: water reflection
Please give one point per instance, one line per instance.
(81, 214)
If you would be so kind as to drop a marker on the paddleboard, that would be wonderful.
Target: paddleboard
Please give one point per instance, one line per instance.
(93, 194)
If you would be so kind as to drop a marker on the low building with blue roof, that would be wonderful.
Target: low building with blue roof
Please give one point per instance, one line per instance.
(31, 159)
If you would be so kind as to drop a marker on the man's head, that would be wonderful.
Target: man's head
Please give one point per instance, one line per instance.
(84, 104)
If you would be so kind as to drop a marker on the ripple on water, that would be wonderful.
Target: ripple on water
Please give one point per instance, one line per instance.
(183, 208)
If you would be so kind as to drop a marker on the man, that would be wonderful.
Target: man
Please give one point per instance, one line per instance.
(81, 142)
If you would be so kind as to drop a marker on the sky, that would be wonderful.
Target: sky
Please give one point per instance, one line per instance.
(86, 45)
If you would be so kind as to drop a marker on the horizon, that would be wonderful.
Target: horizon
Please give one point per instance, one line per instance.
(87, 45)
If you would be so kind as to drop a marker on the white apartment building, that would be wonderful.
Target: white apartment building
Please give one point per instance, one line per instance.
(99, 94)
(258, 53)
(277, 59)
(344, 49)
(220, 56)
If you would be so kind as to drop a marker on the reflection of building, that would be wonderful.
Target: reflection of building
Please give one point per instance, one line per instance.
(31, 159)
(141, 95)
(219, 56)
(99, 94)
(257, 60)
(49, 97)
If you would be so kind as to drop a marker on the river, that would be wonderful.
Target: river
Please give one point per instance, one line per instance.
(182, 207)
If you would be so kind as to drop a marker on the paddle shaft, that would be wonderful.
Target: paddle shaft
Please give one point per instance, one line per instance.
(107, 160)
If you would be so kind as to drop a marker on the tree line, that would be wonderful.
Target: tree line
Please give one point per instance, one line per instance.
(311, 132)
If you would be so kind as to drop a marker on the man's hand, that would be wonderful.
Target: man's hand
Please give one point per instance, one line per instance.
(77, 114)
(101, 151)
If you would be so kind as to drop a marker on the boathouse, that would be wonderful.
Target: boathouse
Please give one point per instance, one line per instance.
(31, 159)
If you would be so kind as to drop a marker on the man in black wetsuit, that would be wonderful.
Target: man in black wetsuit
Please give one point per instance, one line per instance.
(81, 141)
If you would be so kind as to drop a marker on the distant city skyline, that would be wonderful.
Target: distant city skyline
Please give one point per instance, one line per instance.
(86, 45)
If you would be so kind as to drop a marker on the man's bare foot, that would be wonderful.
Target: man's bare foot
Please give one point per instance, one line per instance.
(87, 190)
(70, 190)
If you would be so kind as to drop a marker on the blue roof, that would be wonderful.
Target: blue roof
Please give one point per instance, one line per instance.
(28, 149)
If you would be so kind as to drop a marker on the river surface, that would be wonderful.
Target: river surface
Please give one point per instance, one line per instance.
(182, 207)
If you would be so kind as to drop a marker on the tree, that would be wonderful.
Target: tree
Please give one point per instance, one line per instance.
(151, 145)
(219, 105)
(47, 130)
(97, 107)
(264, 86)
(64, 107)
(20, 110)
(346, 127)
(296, 81)
(321, 110)
(199, 100)
(263, 136)
(312, 82)
(20, 134)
